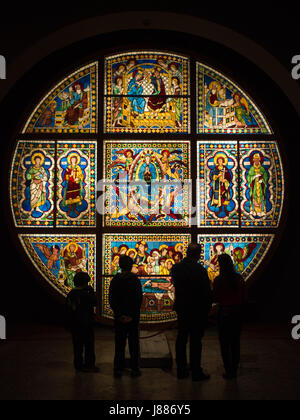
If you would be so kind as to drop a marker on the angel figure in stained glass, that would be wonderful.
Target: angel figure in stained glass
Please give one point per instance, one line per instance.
(241, 255)
(51, 254)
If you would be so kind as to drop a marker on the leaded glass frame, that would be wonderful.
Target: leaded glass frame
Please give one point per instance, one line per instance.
(100, 135)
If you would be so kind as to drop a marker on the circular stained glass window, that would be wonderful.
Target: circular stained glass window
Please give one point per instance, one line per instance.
(163, 151)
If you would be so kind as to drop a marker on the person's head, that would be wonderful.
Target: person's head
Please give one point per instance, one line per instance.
(227, 271)
(125, 263)
(226, 265)
(194, 251)
(81, 279)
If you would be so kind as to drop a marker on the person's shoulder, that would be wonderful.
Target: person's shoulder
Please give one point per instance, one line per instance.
(114, 279)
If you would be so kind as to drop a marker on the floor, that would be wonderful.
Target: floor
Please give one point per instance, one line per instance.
(36, 364)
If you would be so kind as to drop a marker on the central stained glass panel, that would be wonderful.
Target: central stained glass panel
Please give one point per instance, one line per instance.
(147, 183)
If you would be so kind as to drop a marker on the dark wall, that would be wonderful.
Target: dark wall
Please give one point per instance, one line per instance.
(276, 295)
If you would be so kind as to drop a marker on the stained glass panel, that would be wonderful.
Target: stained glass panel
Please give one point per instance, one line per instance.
(262, 184)
(154, 256)
(76, 196)
(70, 107)
(147, 93)
(246, 251)
(224, 108)
(32, 182)
(146, 183)
(59, 257)
(217, 184)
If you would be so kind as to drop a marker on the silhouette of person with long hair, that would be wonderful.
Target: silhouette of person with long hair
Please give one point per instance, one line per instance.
(193, 301)
(231, 295)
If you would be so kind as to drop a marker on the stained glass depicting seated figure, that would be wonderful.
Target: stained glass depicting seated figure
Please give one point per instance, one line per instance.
(76, 184)
(147, 183)
(70, 107)
(217, 184)
(32, 180)
(224, 108)
(154, 257)
(262, 184)
(59, 257)
(147, 92)
(246, 251)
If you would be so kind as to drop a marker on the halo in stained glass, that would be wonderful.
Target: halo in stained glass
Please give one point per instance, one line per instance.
(32, 182)
(153, 255)
(223, 107)
(247, 252)
(76, 195)
(147, 92)
(262, 184)
(147, 183)
(70, 107)
(59, 257)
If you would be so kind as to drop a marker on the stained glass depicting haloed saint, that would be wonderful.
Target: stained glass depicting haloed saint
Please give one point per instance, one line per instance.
(32, 182)
(262, 184)
(154, 257)
(147, 183)
(224, 108)
(147, 93)
(59, 257)
(76, 205)
(70, 107)
(246, 251)
(217, 187)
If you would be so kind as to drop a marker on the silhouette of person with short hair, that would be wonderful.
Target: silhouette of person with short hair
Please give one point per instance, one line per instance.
(231, 295)
(193, 301)
(80, 303)
(125, 298)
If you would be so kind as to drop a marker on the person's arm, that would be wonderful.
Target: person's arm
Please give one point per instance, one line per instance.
(216, 294)
(140, 292)
(111, 296)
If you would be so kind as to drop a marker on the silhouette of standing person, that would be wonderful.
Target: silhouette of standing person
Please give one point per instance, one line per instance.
(125, 298)
(230, 293)
(80, 303)
(193, 301)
